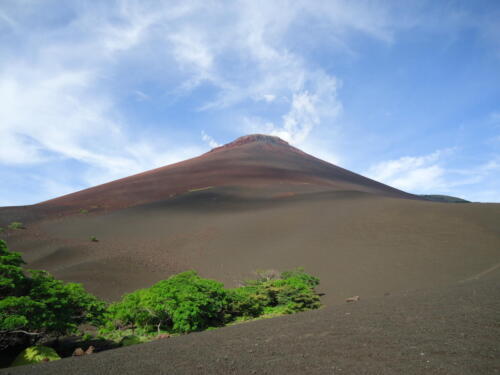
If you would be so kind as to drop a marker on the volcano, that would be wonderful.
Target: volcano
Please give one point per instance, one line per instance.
(258, 161)
(259, 203)
(254, 203)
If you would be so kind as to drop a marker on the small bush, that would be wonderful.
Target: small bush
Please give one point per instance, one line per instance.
(247, 302)
(35, 354)
(182, 303)
(16, 225)
(294, 293)
(84, 211)
(298, 273)
(132, 340)
(94, 239)
(291, 290)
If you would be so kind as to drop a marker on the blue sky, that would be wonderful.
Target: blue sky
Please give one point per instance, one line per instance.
(407, 93)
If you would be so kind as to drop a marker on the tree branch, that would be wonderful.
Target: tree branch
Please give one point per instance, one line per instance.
(22, 331)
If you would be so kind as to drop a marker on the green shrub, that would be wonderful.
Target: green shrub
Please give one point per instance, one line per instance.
(40, 304)
(12, 278)
(246, 302)
(84, 211)
(35, 302)
(131, 340)
(16, 225)
(292, 290)
(298, 273)
(182, 303)
(35, 354)
(94, 239)
(130, 312)
(294, 293)
(186, 302)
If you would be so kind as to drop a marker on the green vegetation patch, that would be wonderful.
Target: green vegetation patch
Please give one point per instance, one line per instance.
(16, 225)
(132, 340)
(186, 302)
(36, 304)
(35, 354)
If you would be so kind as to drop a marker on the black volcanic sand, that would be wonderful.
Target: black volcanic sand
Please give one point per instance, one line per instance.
(356, 243)
(446, 330)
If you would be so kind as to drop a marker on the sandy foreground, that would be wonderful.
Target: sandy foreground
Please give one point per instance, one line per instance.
(450, 330)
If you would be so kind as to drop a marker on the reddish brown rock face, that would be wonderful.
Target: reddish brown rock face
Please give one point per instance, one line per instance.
(256, 160)
(262, 138)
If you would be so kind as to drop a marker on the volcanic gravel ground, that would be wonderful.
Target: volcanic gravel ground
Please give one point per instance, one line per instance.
(453, 330)
(356, 243)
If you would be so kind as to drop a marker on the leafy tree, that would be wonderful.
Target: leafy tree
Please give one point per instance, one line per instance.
(129, 313)
(37, 304)
(12, 278)
(8, 257)
(183, 303)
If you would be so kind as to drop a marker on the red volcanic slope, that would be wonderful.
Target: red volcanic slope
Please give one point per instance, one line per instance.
(252, 160)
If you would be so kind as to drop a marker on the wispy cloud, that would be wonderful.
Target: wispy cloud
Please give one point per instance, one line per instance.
(54, 103)
(209, 140)
(432, 174)
(412, 173)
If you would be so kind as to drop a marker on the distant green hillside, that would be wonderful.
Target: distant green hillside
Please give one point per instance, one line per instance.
(444, 198)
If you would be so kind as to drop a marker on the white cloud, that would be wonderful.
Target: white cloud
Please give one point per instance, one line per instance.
(140, 95)
(269, 97)
(431, 174)
(209, 140)
(47, 116)
(54, 103)
(411, 173)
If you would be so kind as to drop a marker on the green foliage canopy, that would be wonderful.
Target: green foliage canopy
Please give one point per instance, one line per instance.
(183, 303)
(186, 302)
(35, 302)
(38, 303)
